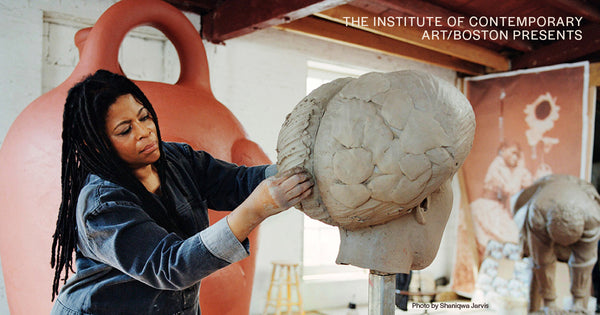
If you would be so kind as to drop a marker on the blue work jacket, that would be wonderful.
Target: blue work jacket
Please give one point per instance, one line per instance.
(128, 264)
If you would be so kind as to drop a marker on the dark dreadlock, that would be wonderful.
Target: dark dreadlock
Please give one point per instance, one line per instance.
(87, 149)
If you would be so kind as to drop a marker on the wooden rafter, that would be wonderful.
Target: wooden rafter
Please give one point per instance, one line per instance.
(225, 19)
(595, 74)
(199, 7)
(458, 49)
(561, 51)
(423, 8)
(577, 8)
(335, 32)
(239, 17)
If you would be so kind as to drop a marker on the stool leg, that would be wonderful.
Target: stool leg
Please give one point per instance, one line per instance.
(279, 289)
(298, 290)
(289, 289)
(269, 291)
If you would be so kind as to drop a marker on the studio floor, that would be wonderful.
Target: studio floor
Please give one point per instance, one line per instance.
(417, 308)
(437, 308)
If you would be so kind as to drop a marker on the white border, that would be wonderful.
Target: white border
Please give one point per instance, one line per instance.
(586, 83)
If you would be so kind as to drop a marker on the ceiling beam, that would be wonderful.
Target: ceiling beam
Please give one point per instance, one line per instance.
(595, 74)
(239, 17)
(199, 7)
(459, 49)
(341, 34)
(561, 51)
(422, 8)
(577, 8)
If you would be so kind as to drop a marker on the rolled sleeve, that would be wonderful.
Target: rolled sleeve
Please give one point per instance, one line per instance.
(271, 170)
(222, 243)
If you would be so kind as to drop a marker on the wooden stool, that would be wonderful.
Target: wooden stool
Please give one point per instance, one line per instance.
(284, 274)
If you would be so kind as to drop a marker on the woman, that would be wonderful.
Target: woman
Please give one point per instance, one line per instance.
(134, 208)
(492, 216)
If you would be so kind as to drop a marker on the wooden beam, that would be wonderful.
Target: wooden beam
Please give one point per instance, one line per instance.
(414, 36)
(577, 8)
(422, 8)
(595, 74)
(338, 33)
(199, 7)
(239, 17)
(591, 128)
(561, 51)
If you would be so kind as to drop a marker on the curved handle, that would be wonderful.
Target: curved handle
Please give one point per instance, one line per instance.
(102, 44)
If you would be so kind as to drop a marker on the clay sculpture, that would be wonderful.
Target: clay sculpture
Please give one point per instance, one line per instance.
(561, 221)
(380, 147)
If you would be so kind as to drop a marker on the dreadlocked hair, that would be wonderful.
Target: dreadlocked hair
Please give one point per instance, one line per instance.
(86, 149)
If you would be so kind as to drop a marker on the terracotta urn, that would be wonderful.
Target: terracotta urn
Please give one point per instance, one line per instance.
(30, 155)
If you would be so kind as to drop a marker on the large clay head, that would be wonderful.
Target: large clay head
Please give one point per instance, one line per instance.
(380, 147)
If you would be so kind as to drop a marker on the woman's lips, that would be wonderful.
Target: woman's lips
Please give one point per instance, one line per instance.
(150, 148)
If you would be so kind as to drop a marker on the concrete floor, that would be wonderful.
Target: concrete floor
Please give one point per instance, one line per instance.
(436, 309)
(417, 308)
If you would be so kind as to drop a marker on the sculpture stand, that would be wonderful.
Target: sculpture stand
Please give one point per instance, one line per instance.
(382, 290)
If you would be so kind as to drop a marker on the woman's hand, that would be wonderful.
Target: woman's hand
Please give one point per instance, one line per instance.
(273, 195)
(282, 191)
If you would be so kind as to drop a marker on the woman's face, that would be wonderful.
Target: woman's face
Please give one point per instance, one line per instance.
(132, 132)
(511, 155)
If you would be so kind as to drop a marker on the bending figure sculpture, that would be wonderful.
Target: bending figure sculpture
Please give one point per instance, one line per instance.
(381, 147)
(561, 216)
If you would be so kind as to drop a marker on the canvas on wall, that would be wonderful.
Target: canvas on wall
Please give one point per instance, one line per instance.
(529, 124)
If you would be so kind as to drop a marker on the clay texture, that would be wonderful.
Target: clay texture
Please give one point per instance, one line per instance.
(378, 147)
(561, 216)
(402, 244)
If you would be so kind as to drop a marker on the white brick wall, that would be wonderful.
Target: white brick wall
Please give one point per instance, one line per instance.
(260, 77)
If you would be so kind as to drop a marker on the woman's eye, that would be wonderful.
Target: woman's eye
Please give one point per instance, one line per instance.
(145, 116)
(126, 131)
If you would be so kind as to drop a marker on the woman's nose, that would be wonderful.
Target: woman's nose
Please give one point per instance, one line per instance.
(143, 131)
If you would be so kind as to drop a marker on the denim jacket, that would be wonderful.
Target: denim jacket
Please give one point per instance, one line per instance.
(128, 264)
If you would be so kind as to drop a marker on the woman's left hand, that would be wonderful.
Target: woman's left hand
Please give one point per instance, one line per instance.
(282, 191)
(273, 195)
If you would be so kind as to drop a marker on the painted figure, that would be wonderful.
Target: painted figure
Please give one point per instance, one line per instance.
(492, 216)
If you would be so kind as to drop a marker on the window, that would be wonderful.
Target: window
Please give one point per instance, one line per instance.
(321, 241)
